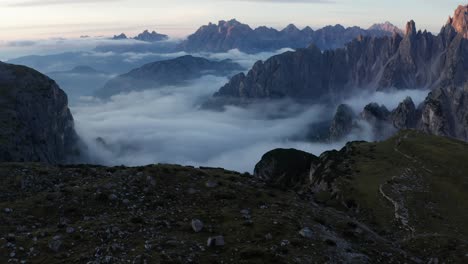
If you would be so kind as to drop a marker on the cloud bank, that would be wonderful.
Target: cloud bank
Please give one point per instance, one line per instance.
(167, 126)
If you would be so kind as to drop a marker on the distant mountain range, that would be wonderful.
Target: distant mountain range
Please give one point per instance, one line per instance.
(417, 60)
(144, 36)
(158, 74)
(232, 34)
(81, 69)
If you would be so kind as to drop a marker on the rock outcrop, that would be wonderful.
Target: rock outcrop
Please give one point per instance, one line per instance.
(416, 60)
(285, 168)
(443, 113)
(119, 37)
(387, 27)
(228, 35)
(145, 36)
(342, 123)
(405, 115)
(151, 36)
(164, 73)
(459, 21)
(36, 124)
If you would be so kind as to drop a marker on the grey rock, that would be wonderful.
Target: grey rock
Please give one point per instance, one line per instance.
(306, 233)
(379, 118)
(151, 36)
(285, 168)
(405, 115)
(445, 113)
(211, 184)
(342, 123)
(113, 197)
(459, 21)
(119, 37)
(216, 241)
(55, 244)
(37, 125)
(197, 225)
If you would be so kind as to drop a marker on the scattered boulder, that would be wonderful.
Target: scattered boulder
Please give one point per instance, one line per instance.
(211, 184)
(197, 225)
(56, 244)
(217, 241)
(306, 233)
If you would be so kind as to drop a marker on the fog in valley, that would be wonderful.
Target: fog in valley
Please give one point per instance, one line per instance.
(169, 124)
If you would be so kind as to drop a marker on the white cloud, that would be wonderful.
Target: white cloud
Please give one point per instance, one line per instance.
(167, 126)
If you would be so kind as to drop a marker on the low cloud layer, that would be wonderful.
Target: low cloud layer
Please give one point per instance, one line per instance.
(167, 126)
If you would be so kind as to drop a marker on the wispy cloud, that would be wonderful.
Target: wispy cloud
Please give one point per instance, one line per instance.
(55, 2)
(288, 1)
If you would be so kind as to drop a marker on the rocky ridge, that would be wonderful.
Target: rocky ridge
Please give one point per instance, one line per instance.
(145, 36)
(158, 74)
(228, 35)
(443, 113)
(416, 60)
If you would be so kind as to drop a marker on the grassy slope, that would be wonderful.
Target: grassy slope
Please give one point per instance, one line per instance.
(426, 175)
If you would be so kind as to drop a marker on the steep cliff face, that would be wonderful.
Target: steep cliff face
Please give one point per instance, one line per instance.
(445, 113)
(342, 123)
(36, 124)
(405, 116)
(416, 60)
(232, 34)
(460, 20)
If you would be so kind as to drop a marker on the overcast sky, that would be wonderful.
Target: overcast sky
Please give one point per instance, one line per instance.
(39, 19)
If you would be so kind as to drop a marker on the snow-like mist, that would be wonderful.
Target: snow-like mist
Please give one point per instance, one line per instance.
(167, 126)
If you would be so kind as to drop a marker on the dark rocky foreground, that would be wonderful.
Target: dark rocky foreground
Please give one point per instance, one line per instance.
(399, 201)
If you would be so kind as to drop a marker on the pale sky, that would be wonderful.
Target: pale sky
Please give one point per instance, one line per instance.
(42, 19)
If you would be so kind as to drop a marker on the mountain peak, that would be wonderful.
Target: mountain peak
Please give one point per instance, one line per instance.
(118, 37)
(291, 28)
(459, 21)
(386, 26)
(411, 28)
(230, 23)
(151, 36)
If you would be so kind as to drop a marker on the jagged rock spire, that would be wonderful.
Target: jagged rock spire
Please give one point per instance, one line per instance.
(411, 28)
(459, 21)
